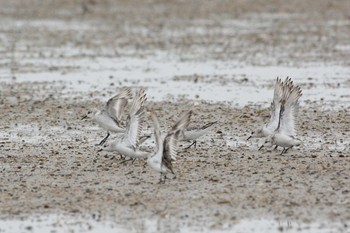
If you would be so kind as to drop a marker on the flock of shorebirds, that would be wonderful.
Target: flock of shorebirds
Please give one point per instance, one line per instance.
(278, 131)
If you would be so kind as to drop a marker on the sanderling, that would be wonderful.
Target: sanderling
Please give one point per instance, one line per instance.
(193, 133)
(285, 133)
(268, 128)
(160, 161)
(131, 139)
(110, 117)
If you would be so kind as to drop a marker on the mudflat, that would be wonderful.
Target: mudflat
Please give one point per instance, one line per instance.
(49, 163)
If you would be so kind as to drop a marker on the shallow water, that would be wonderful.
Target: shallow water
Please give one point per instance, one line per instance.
(237, 84)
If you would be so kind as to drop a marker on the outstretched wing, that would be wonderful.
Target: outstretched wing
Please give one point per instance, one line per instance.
(115, 105)
(288, 113)
(138, 101)
(275, 105)
(183, 122)
(171, 139)
(169, 149)
(133, 128)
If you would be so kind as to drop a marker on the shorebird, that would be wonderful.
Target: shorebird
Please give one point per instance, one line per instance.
(160, 161)
(110, 117)
(193, 133)
(285, 133)
(268, 128)
(131, 139)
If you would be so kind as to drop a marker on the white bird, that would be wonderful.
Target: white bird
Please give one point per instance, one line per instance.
(160, 161)
(110, 118)
(193, 133)
(285, 133)
(268, 128)
(130, 141)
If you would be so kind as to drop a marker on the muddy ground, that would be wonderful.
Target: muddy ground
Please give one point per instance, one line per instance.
(224, 179)
(49, 162)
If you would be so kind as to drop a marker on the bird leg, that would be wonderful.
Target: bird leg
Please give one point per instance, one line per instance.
(275, 147)
(127, 160)
(287, 149)
(144, 165)
(284, 150)
(193, 143)
(104, 140)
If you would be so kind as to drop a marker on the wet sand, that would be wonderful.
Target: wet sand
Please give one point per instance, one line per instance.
(49, 162)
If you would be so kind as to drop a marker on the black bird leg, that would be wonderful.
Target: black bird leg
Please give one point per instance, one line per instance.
(193, 143)
(287, 149)
(284, 149)
(104, 140)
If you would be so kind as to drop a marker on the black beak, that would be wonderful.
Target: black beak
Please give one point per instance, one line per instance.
(249, 138)
(261, 147)
(84, 117)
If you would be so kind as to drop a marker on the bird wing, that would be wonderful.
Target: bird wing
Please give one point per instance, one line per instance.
(133, 128)
(171, 139)
(183, 122)
(115, 105)
(169, 148)
(275, 105)
(288, 113)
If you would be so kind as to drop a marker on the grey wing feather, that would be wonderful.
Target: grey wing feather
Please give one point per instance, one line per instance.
(135, 117)
(138, 101)
(133, 129)
(116, 105)
(170, 141)
(275, 105)
(183, 122)
(289, 112)
(169, 149)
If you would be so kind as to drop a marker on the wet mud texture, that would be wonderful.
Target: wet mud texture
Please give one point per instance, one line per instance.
(49, 163)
